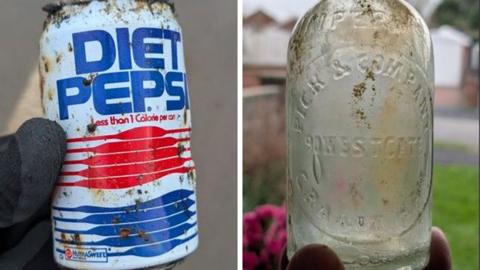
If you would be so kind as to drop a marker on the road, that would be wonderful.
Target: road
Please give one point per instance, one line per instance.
(457, 130)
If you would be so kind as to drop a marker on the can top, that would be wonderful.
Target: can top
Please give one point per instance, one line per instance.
(64, 9)
(54, 8)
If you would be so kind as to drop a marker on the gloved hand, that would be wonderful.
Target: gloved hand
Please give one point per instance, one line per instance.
(319, 257)
(30, 162)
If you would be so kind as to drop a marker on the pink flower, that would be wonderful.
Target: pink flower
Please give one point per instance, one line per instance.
(250, 260)
(264, 237)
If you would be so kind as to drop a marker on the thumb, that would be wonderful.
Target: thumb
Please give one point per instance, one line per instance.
(29, 167)
(313, 257)
(440, 258)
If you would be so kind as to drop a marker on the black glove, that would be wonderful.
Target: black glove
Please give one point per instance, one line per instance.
(30, 162)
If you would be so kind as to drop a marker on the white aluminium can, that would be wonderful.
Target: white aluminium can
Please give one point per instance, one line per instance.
(113, 76)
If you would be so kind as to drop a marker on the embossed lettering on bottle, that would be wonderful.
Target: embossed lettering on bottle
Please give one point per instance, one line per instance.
(359, 119)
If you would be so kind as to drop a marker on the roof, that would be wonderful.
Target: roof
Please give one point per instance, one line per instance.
(290, 24)
(281, 10)
(258, 19)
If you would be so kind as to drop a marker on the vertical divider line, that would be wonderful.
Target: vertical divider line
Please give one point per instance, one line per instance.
(239, 134)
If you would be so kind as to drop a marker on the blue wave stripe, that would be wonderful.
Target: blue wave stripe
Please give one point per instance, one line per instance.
(133, 239)
(134, 216)
(150, 250)
(163, 200)
(154, 250)
(156, 225)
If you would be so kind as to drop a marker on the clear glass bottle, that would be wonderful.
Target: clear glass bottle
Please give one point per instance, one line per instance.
(359, 119)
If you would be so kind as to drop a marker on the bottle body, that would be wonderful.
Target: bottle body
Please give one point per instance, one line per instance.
(114, 78)
(359, 120)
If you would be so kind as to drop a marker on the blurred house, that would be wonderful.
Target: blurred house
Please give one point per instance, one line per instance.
(456, 79)
(456, 60)
(265, 46)
(472, 82)
(474, 58)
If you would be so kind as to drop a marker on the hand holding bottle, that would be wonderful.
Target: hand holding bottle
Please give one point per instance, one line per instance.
(320, 257)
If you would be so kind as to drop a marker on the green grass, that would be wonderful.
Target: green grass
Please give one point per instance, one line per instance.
(455, 210)
(455, 204)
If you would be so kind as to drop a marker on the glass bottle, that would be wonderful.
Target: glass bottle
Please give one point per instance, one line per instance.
(359, 120)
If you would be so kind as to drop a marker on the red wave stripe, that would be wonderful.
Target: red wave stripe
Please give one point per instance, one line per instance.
(124, 182)
(124, 146)
(135, 133)
(111, 171)
(108, 159)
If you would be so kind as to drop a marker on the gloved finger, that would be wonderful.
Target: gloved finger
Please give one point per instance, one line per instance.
(12, 235)
(4, 142)
(439, 252)
(29, 167)
(313, 257)
(28, 248)
(43, 259)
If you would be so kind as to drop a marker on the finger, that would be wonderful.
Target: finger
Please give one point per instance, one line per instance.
(4, 142)
(439, 252)
(12, 235)
(315, 257)
(29, 167)
(27, 250)
(43, 259)
(284, 260)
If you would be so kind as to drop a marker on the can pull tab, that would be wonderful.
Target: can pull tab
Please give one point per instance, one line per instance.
(53, 8)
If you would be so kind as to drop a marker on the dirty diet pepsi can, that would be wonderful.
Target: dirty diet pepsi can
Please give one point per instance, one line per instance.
(113, 76)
